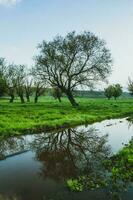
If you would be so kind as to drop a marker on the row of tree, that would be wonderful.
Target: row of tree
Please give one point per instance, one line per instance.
(65, 63)
(17, 80)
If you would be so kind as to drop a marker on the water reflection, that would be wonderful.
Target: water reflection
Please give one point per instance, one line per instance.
(12, 146)
(67, 153)
(71, 152)
(55, 156)
(130, 121)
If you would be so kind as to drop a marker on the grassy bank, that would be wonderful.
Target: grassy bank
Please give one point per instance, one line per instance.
(20, 118)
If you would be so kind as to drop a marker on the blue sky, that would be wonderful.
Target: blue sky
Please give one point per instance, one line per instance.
(25, 23)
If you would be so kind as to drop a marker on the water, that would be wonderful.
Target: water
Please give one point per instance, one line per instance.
(36, 167)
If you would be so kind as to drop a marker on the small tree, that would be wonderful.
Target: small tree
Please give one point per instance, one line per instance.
(109, 91)
(57, 94)
(130, 86)
(117, 91)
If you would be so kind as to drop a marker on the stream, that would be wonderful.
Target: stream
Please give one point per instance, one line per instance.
(36, 167)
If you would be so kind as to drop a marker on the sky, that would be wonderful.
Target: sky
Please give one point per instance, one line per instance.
(25, 23)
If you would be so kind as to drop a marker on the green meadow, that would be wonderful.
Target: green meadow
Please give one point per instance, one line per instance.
(17, 118)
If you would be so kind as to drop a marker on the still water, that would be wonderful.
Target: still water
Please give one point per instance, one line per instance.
(36, 167)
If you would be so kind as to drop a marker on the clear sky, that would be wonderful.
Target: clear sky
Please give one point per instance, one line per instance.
(25, 23)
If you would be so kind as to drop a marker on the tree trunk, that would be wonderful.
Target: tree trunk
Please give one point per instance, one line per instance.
(36, 99)
(12, 98)
(71, 99)
(22, 99)
(28, 98)
(59, 99)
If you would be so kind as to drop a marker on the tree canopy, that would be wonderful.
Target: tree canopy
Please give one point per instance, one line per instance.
(117, 90)
(109, 91)
(113, 91)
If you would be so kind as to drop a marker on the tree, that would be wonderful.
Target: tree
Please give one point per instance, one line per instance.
(39, 90)
(109, 91)
(130, 86)
(3, 86)
(73, 61)
(11, 81)
(57, 94)
(20, 80)
(39, 85)
(28, 88)
(117, 91)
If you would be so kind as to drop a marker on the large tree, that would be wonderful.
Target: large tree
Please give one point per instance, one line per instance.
(73, 61)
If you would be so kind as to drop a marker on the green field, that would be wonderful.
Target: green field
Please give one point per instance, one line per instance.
(48, 114)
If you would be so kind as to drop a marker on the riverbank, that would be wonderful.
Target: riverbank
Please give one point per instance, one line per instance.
(17, 118)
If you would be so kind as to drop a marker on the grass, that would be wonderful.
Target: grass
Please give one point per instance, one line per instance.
(17, 118)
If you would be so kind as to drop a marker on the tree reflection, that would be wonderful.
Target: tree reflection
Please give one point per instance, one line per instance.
(75, 153)
(71, 153)
(130, 121)
(12, 146)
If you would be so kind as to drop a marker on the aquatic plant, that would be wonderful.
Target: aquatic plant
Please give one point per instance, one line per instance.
(8, 198)
(119, 174)
(75, 185)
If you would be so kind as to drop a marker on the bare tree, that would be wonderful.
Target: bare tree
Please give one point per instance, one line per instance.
(73, 61)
